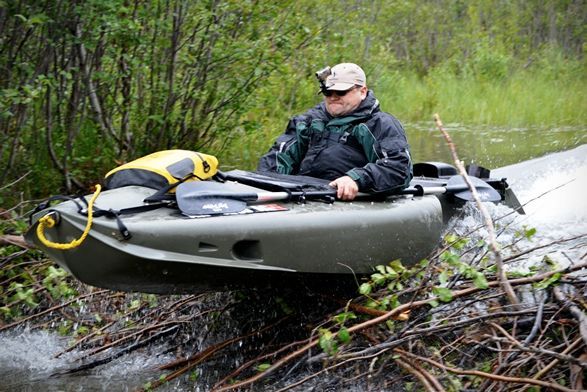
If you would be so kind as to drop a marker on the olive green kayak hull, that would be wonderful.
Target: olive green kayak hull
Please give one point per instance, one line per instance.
(171, 253)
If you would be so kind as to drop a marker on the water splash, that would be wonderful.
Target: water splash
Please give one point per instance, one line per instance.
(554, 188)
(27, 362)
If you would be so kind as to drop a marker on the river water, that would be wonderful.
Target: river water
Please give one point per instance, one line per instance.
(547, 168)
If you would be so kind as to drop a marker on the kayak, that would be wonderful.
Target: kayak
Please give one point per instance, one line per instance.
(268, 242)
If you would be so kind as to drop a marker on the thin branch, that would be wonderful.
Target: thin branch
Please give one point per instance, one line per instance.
(575, 311)
(507, 288)
(496, 377)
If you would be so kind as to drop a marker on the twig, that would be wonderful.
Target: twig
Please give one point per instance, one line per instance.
(63, 305)
(18, 240)
(398, 310)
(435, 383)
(562, 357)
(195, 359)
(118, 354)
(575, 311)
(530, 250)
(16, 181)
(325, 370)
(507, 288)
(554, 362)
(255, 360)
(419, 375)
(517, 380)
(85, 338)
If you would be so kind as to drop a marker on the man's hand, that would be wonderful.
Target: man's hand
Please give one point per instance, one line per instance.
(346, 188)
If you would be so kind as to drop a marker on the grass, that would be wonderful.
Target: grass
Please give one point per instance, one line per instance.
(546, 96)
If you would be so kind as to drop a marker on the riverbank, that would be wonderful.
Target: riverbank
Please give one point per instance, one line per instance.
(444, 323)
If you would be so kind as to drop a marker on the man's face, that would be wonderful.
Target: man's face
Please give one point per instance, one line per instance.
(338, 104)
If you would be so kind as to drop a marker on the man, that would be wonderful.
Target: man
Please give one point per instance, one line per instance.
(346, 139)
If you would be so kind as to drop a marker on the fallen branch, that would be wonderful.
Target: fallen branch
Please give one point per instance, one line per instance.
(418, 374)
(496, 377)
(18, 240)
(118, 354)
(381, 319)
(194, 360)
(52, 309)
(575, 311)
(507, 288)
(325, 370)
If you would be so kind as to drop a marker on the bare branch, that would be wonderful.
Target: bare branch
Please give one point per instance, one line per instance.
(507, 288)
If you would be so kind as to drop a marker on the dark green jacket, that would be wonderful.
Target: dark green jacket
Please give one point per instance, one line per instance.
(368, 145)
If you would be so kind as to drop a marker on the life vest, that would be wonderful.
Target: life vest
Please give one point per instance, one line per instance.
(163, 169)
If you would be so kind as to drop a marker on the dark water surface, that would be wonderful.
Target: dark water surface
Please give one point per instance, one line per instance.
(491, 147)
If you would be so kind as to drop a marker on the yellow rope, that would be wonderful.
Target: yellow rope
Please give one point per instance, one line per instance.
(47, 221)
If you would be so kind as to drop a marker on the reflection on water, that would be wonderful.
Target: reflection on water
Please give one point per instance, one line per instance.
(491, 147)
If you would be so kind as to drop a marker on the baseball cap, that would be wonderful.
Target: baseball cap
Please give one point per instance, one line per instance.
(345, 76)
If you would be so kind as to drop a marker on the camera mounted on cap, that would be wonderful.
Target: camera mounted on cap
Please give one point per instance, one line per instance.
(322, 75)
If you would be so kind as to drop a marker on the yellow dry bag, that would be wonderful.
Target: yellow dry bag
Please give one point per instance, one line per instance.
(162, 169)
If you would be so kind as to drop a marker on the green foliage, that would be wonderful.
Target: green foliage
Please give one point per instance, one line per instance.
(344, 335)
(56, 283)
(194, 376)
(23, 294)
(526, 232)
(444, 294)
(547, 282)
(327, 341)
(225, 76)
(263, 366)
(454, 265)
(391, 275)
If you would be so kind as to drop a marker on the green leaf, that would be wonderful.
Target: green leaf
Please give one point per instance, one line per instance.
(135, 304)
(372, 304)
(194, 375)
(443, 277)
(381, 269)
(529, 233)
(378, 279)
(480, 281)
(547, 282)
(344, 336)
(341, 318)
(391, 274)
(263, 366)
(327, 342)
(450, 258)
(443, 293)
(81, 331)
(399, 267)
(365, 288)
(390, 324)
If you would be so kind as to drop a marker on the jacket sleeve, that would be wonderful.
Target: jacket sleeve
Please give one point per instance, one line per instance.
(386, 147)
(268, 162)
(289, 149)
